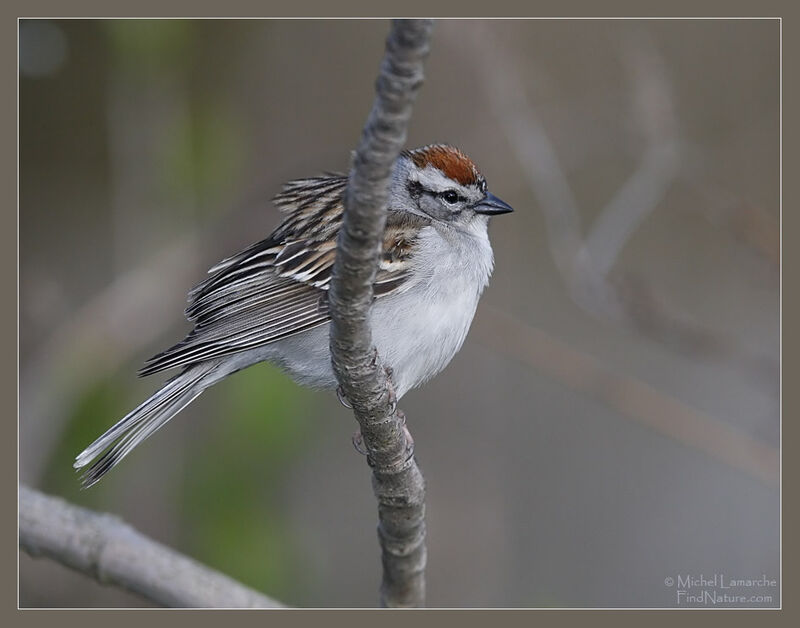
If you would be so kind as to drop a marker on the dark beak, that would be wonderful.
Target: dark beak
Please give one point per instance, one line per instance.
(492, 205)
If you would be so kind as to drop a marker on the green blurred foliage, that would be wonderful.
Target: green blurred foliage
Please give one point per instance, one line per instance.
(235, 476)
(142, 47)
(203, 154)
(230, 499)
(100, 402)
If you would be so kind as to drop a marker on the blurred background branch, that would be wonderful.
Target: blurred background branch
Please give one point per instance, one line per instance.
(631, 397)
(585, 263)
(105, 548)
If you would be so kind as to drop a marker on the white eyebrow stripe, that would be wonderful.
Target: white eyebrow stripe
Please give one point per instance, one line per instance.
(434, 180)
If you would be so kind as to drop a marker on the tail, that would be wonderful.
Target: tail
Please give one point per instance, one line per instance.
(140, 423)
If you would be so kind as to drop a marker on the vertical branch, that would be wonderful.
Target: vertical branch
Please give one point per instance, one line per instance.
(397, 481)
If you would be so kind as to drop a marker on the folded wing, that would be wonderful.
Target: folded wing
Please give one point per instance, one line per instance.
(278, 287)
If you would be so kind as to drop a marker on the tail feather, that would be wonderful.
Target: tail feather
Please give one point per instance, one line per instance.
(143, 421)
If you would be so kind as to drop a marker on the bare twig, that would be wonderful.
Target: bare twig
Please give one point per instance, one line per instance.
(585, 262)
(397, 481)
(644, 190)
(112, 552)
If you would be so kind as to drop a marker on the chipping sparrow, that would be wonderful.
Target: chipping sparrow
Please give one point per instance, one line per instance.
(269, 302)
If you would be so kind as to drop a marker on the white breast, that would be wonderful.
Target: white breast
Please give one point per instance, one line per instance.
(418, 331)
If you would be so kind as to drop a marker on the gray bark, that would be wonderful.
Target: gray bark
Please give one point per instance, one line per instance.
(112, 552)
(397, 481)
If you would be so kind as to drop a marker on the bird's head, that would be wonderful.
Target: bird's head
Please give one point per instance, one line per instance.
(441, 182)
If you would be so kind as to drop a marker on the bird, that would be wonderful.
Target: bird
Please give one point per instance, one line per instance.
(269, 302)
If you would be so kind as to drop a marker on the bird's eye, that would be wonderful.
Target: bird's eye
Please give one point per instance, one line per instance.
(450, 196)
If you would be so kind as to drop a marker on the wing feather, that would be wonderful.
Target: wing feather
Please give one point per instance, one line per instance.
(278, 287)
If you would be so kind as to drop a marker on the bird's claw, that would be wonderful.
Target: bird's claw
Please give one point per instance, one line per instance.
(342, 399)
(358, 443)
(390, 388)
(407, 434)
(360, 446)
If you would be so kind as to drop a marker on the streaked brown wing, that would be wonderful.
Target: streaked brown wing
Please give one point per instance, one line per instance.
(278, 287)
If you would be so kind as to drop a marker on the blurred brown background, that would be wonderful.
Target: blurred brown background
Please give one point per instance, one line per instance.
(613, 418)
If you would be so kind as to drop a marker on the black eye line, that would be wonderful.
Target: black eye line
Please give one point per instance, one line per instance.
(458, 199)
(415, 190)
